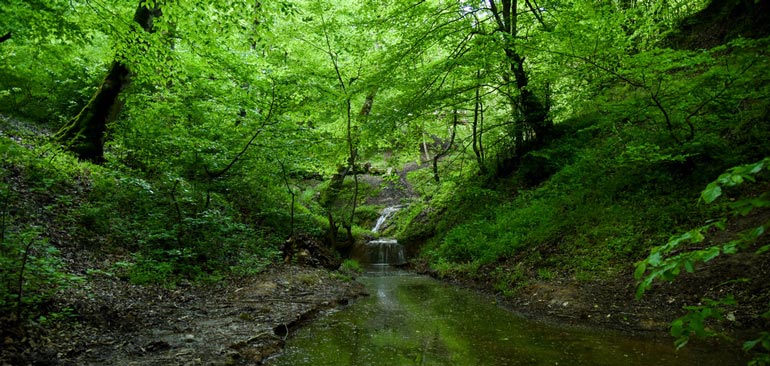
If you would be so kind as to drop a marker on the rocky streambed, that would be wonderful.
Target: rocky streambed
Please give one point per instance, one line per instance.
(237, 322)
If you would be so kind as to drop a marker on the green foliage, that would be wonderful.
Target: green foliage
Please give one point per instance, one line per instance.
(366, 215)
(152, 271)
(33, 190)
(448, 269)
(351, 266)
(545, 274)
(667, 261)
(31, 272)
(43, 31)
(593, 214)
(509, 280)
(694, 323)
(235, 107)
(760, 347)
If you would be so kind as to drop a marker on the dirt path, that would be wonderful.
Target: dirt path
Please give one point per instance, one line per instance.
(242, 322)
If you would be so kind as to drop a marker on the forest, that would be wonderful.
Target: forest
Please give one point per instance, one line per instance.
(606, 154)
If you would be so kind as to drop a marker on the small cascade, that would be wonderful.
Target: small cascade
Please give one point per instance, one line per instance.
(385, 250)
(385, 215)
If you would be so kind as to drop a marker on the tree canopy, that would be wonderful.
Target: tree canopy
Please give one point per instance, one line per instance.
(203, 137)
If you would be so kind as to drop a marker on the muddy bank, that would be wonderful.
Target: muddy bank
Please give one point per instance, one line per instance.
(236, 322)
(610, 302)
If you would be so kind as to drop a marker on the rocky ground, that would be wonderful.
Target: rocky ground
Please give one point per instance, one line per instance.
(237, 322)
(395, 191)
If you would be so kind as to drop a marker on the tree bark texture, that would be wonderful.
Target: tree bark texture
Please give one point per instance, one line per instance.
(85, 133)
(534, 112)
(477, 128)
(448, 146)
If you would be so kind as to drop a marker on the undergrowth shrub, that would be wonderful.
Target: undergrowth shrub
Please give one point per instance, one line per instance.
(351, 266)
(509, 280)
(35, 192)
(175, 230)
(31, 271)
(612, 196)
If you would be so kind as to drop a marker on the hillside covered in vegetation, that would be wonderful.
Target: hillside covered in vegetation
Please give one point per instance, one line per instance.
(606, 162)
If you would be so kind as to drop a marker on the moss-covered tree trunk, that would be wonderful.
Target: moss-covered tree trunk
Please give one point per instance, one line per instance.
(84, 134)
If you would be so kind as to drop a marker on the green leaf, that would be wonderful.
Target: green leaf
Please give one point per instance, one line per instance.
(756, 168)
(696, 236)
(757, 232)
(677, 327)
(710, 253)
(681, 342)
(655, 259)
(641, 267)
(711, 193)
(688, 266)
(748, 345)
(731, 247)
(644, 285)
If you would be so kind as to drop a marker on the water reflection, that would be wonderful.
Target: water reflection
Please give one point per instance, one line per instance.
(415, 320)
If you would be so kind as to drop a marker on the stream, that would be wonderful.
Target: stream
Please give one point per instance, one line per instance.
(416, 320)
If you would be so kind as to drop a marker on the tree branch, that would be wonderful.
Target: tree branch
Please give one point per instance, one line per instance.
(293, 196)
(446, 148)
(496, 14)
(669, 125)
(536, 13)
(266, 122)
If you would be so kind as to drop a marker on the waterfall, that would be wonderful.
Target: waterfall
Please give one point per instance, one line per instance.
(385, 215)
(385, 250)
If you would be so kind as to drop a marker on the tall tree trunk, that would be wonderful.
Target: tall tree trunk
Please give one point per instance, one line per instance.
(84, 134)
(363, 115)
(447, 147)
(533, 110)
(477, 129)
(333, 229)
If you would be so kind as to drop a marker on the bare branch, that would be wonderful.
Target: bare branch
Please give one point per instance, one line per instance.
(266, 122)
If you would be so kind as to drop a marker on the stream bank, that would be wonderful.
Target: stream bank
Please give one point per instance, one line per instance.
(609, 302)
(235, 322)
